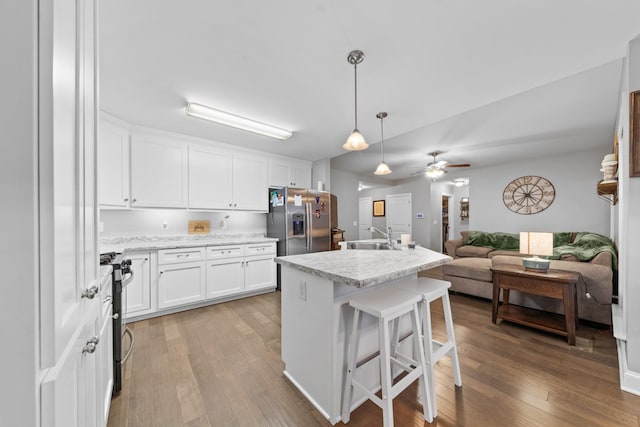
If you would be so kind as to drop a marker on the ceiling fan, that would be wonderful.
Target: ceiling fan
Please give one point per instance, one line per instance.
(436, 168)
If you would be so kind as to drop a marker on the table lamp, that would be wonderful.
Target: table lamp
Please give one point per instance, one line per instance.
(536, 244)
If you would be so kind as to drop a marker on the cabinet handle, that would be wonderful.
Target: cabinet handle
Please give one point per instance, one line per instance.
(134, 200)
(107, 299)
(90, 346)
(230, 205)
(162, 272)
(116, 316)
(90, 293)
(146, 259)
(126, 200)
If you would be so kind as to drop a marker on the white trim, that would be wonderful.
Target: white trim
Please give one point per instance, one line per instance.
(310, 399)
(629, 380)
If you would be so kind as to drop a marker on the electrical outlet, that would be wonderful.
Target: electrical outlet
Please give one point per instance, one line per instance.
(165, 224)
(302, 290)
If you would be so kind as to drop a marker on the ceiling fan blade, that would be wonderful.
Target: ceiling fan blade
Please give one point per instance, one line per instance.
(440, 163)
(459, 165)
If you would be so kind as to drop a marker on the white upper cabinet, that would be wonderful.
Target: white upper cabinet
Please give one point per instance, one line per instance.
(210, 178)
(158, 173)
(283, 173)
(250, 184)
(113, 166)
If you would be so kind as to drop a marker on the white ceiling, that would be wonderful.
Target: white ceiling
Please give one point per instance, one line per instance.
(482, 81)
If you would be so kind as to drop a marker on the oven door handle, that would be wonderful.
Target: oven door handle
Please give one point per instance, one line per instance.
(127, 331)
(127, 279)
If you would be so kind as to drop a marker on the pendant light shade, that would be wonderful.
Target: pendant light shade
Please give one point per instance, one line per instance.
(382, 168)
(356, 141)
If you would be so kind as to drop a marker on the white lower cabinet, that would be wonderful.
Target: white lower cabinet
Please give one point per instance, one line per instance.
(137, 294)
(242, 268)
(259, 272)
(104, 365)
(180, 284)
(225, 277)
(181, 276)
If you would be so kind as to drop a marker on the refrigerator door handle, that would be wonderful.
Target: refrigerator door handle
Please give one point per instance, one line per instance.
(309, 227)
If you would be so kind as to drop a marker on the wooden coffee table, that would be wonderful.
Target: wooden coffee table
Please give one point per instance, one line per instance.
(556, 284)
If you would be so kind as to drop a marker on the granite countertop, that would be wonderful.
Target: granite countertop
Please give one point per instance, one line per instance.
(142, 243)
(362, 268)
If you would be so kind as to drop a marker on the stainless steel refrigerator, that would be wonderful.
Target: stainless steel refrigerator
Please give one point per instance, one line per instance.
(300, 219)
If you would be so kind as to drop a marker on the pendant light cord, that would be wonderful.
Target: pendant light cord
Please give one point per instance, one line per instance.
(382, 138)
(355, 92)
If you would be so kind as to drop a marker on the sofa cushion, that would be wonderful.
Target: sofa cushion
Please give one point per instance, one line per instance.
(493, 240)
(505, 252)
(473, 251)
(475, 268)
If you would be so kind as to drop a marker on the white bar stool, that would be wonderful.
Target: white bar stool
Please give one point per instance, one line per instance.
(387, 304)
(431, 290)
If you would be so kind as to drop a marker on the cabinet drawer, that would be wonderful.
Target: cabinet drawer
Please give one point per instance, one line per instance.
(217, 252)
(260, 249)
(170, 256)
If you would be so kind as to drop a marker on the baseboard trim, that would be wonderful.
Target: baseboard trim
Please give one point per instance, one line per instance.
(629, 380)
(310, 399)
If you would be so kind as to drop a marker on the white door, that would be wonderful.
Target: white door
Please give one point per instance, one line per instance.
(365, 214)
(398, 211)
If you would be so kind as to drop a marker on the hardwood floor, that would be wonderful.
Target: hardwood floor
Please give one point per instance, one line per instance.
(220, 366)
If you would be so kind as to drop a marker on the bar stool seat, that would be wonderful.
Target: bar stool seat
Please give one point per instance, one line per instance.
(387, 305)
(431, 290)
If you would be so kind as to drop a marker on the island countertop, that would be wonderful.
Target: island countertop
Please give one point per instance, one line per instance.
(362, 268)
(145, 243)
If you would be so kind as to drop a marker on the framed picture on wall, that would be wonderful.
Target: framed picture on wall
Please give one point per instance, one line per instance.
(378, 208)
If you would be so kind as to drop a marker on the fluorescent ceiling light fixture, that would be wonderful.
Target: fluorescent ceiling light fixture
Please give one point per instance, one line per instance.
(228, 119)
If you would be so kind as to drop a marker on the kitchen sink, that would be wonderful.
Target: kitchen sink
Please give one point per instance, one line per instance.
(369, 245)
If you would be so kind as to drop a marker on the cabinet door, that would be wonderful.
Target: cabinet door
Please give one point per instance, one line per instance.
(181, 284)
(279, 175)
(113, 166)
(158, 173)
(210, 178)
(138, 291)
(301, 176)
(260, 273)
(104, 369)
(69, 392)
(225, 277)
(250, 183)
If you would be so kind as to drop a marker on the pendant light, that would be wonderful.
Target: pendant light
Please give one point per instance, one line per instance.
(356, 141)
(382, 169)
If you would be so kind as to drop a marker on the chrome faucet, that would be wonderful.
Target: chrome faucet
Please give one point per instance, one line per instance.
(386, 235)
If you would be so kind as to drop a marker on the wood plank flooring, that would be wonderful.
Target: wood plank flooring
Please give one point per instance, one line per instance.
(220, 366)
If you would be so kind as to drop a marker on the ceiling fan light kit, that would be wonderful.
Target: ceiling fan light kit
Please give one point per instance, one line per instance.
(383, 168)
(356, 141)
(235, 121)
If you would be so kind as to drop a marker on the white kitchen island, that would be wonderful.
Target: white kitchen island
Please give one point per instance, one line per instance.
(317, 319)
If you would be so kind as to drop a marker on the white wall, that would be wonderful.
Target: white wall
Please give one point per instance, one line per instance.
(19, 397)
(149, 222)
(576, 206)
(344, 185)
(420, 194)
(321, 171)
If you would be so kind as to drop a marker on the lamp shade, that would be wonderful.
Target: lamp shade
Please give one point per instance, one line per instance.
(534, 243)
(382, 169)
(355, 142)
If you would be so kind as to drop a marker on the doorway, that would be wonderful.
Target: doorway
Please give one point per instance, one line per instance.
(447, 209)
(365, 213)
